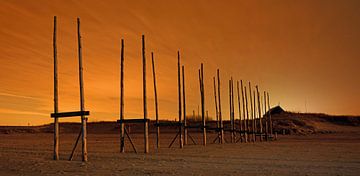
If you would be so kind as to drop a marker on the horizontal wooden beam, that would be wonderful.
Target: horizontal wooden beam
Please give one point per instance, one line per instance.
(133, 121)
(169, 124)
(70, 114)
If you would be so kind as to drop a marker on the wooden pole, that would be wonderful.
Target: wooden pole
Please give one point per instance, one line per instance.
(233, 108)
(270, 121)
(156, 104)
(82, 99)
(146, 125)
(230, 113)
(184, 107)
(222, 140)
(216, 106)
(254, 118)
(203, 103)
(251, 109)
(266, 119)
(122, 132)
(245, 112)
(239, 106)
(259, 104)
(56, 100)
(179, 91)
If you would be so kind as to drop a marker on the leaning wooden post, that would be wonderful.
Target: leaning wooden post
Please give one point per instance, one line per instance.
(56, 104)
(179, 91)
(184, 107)
(245, 112)
(222, 140)
(254, 118)
(122, 132)
(202, 102)
(146, 125)
(216, 106)
(266, 119)
(270, 121)
(239, 107)
(258, 97)
(82, 99)
(230, 114)
(156, 104)
(251, 109)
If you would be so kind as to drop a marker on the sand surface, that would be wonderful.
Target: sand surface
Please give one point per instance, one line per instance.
(321, 154)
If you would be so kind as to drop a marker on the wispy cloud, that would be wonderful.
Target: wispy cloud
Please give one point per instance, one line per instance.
(17, 96)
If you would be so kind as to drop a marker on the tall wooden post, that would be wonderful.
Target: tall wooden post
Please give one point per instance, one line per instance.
(222, 140)
(216, 106)
(230, 114)
(245, 112)
(179, 91)
(254, 118)
(260, 123)
(56, 104)
(156, 104)
(270, 121)
(266, 119)
(122, 130)
(239, 107)
(184, 107)
(201, 75)
(146, 125)
(82, 105)
(251, 109)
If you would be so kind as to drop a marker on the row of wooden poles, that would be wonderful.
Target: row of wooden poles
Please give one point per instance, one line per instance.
(249, 121)
(252, 122)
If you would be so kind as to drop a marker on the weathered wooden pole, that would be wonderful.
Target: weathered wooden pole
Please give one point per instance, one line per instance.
(122, 131)
(203, 103)
(82, 99)
(270, 121)
(216, 106)
(245, 112)
(230, 113)
(254, 118)
(266, 119)
(179, 96)
(233, 108)
(56, 100)
(259, 104)
(251, 111)
(156, 104)
(146, 125)
(239, 107)
(184, 107)
(222, 140)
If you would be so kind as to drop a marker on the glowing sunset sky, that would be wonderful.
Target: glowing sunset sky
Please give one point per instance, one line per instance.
(301, 51)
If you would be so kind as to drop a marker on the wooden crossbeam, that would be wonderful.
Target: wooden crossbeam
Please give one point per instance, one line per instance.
(70, 114)
(168, 124)
(133, 121)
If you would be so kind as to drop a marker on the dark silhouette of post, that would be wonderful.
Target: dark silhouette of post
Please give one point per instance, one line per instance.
(179, 91)
(56, 104)
(82, 99)
(254, 119)
(201, 78)
(270, 121)
(184, 107)
(260, 123)
(266, 119)
(251, 111)
(222, 140)
(247, 114)
(216, 106)
(231, 113)
(122, 132)
(244, 110)
(146, 125)
(156, 104)
(239, 107)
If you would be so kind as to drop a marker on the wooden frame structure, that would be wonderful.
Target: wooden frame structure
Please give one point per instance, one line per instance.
(82, 113)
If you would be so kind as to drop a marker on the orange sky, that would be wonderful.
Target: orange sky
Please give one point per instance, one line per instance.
(301, 51)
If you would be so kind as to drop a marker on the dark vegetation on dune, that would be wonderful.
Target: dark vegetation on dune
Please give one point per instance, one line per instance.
(284, 122)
